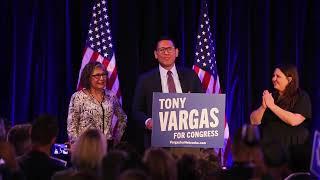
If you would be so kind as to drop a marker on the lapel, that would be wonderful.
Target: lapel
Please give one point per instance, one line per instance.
(182, 80)
(157, 82)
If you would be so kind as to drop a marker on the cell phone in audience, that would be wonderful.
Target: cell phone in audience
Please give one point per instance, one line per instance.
(60, 149)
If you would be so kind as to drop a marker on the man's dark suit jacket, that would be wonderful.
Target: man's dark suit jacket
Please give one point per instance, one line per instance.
(151, 82)
(37, 165)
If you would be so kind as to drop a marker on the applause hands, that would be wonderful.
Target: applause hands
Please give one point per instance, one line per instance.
(267, 99)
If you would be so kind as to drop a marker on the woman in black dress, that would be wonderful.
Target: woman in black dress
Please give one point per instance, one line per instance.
(284, 116)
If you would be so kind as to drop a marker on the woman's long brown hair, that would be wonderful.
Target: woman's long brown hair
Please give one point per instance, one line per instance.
(291, 92)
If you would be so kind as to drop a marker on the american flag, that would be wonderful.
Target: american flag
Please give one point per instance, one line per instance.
(99, 47)
(206, 67)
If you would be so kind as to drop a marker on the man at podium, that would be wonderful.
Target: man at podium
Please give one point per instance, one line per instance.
(167, 78)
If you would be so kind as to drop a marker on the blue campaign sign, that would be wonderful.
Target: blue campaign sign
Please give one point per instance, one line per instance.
(188, 120)
(315, 160)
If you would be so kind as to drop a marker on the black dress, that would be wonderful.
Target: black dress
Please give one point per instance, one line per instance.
(291, 138)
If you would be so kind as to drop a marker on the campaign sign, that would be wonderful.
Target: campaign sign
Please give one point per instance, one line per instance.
(188, 120)
(315, 160)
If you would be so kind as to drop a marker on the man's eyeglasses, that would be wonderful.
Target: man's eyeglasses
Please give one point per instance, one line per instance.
(166, 49)
(98, 76)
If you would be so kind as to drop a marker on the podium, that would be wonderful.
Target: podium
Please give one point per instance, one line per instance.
(188, 120)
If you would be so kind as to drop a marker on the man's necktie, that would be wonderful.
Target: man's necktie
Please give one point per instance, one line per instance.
(171, 86)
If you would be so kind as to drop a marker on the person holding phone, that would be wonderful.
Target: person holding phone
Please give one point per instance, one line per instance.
(38, 163)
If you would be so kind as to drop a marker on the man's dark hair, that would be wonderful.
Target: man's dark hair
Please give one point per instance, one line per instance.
(162, 38)
(44, 129)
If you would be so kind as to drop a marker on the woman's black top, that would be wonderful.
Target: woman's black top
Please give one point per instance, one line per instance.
(274, 129)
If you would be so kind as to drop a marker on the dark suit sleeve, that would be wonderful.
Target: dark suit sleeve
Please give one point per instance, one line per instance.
(197, 86)
(189, 81)
(139, 103)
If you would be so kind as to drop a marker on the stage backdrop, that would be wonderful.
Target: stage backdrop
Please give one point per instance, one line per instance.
(42, 42)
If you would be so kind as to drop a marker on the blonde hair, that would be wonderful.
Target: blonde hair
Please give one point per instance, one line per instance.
(89, 149)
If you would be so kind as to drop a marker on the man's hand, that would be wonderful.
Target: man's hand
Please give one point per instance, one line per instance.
(149, 124)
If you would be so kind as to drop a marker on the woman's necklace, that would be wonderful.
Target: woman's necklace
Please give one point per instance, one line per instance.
(97, 96)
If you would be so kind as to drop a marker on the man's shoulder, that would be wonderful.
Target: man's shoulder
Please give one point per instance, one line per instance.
(27, 157)
(181, 69)
(149, 74)
(35, 159)
(186, 72)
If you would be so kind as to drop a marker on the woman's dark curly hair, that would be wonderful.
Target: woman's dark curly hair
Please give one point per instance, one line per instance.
(87, 72)
(291, 92)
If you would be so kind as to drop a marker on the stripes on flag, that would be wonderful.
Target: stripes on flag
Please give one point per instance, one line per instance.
(206, 68)
(208, 82)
